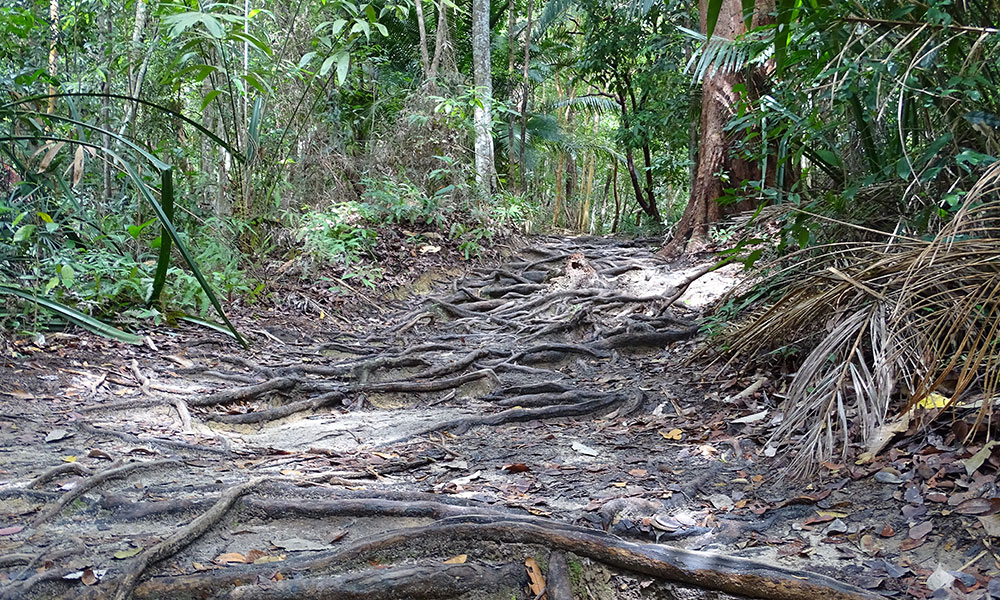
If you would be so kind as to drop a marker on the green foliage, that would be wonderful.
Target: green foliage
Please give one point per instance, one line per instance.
(390, 201)
(336, 234)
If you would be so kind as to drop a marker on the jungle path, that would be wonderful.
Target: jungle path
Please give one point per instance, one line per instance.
(528, 424)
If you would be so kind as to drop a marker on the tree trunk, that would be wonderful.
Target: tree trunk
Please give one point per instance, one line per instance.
(136, 72)
(425, 61)
(511, 21)
(717, 101)
(53, 52)
(618, 203)
(559, 189)
(482, 114)
(106, 108)
(525, 92)
(588, 190)
(440, 39)
(713, 156)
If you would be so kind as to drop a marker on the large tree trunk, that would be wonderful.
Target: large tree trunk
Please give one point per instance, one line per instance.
(718, 100)
(482, 114)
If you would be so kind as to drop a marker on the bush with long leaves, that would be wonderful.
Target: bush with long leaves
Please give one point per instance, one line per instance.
(50, 132)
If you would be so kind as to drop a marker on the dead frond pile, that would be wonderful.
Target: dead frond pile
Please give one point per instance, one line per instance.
(882, 325)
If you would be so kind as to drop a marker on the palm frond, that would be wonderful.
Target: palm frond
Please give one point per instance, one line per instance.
(591, 103)
(552, 14)
(724, 55)
(897, 319)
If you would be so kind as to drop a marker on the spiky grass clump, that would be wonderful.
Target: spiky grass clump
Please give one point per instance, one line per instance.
(882, 321)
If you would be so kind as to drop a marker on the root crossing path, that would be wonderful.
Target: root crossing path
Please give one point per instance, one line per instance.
(521, 432)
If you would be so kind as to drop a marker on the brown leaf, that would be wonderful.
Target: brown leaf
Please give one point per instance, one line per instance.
(819, 519)
(888, 531)
(338, 535)
(910, 543)
(88, 577)
(11, 530)
(457, 560)
(230, 557)
(95, 453)
(516, 468)
(979, 506)
(255, 554)
(536, 582)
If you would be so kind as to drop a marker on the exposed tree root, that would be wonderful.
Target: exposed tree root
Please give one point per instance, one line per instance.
(557, 582)
(179, 540)
(57, 471)
(514, 415)
(420, 582)
(709, 571)
(487, 331)
(95, 480)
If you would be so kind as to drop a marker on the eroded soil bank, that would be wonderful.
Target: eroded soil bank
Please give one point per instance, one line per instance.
(532, 424)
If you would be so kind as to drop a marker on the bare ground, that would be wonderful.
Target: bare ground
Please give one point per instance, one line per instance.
(539, 412)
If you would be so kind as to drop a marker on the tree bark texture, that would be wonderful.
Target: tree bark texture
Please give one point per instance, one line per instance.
(717, 104)
(483, 114)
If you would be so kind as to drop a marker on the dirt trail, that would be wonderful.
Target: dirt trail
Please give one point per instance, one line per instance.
(537, 410)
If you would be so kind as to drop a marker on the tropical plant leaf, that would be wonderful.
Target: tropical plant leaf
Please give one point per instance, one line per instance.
(72, 315)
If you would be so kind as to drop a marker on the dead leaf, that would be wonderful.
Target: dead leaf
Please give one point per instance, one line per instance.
(887, 531)
(910, 543)
(882, 437)
(585, 450)
(129, 553)
(536, 582)
(230, 557)
(69, 459)
(751, 418)
(300, 545)
(57, 434)
(819, 518)
(919, 531)
(979, 506)
(940, 578)
(255, 554)
(429, 249)
(673, 434)
(89, 577)
(95, 453)
(457, 560)
(991, 524)
(516, 468)
(975, 461)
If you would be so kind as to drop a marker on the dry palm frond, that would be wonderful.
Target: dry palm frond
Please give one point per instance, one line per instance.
(883, 317)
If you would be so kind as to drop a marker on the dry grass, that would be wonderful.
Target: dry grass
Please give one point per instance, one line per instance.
(884, 324)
